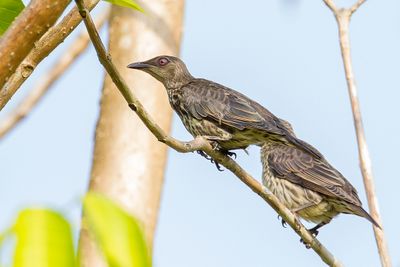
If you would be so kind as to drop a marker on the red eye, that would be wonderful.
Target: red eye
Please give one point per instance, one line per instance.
(162, 61)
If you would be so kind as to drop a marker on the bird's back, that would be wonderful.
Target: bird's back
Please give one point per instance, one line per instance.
(234, 112)
(294, 165)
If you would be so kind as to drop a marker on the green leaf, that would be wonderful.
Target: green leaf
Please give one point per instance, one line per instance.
(3, 236)
(9, 9)
(126, 3)
(117, 233)
(44, 239)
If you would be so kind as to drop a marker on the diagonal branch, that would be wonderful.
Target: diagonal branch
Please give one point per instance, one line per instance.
(43, 47)
(61, 65)
(343, 17)
(199, 144)
(21, 36)
(331, 5)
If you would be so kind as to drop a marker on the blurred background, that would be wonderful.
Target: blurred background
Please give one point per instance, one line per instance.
(284, 54)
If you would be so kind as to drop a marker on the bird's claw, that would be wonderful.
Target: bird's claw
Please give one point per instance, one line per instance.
(283, 222)
(218, 166)
(203, 154)
(307, 245)
(227, 153)
(231, 154)
(314, 233)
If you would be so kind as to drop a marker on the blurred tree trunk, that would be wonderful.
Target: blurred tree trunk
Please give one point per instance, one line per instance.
(128, 162)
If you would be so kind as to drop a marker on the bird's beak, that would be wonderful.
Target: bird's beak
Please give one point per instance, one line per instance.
(139, 65)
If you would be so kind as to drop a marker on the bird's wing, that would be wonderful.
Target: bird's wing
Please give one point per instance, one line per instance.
(204, 99)
(309, 172)
(208, 100)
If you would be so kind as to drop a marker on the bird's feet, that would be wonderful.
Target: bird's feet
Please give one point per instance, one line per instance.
(230, 154)
(217, 165)
(225, 152)
(283, 222)
(314, 232)
(203, 154)
(296, 221)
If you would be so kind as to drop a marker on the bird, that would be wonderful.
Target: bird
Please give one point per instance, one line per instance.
(296, 172)
(223, 116)
(309, 186)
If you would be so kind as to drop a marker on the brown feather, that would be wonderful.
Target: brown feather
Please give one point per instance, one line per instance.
(233, 111)
(310, 172)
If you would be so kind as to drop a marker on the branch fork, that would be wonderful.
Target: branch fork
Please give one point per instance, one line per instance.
(343, 16)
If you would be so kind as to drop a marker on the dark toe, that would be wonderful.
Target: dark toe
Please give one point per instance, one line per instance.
(218, 166)
(314, 232)
(283, 222)
(308, 246)
(231, 154)
(203, 154)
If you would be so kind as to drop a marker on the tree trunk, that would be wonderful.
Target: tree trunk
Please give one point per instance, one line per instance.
(128, 162)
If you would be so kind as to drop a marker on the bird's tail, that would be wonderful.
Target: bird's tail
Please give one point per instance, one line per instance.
(361, 212)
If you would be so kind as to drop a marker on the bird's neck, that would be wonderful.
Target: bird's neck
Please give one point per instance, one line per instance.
(179, 78)
(178, 82)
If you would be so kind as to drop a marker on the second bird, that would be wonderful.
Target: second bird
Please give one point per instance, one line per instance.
(310, 187)
(218, 113)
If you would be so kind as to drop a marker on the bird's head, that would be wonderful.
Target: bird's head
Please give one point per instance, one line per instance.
(169, 70)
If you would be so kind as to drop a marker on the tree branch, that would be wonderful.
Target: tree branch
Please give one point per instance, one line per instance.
(343, 17)
(356, 6)
(49, 41)
(331, 5)
(21, 36)
(199, 144)
(61, 65)
(132, 173)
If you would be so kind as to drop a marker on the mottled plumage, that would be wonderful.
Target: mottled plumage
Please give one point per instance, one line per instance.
(292, 169)
(216, 112)
(308, 186)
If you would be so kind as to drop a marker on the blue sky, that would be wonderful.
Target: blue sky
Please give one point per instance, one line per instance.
(285, 55)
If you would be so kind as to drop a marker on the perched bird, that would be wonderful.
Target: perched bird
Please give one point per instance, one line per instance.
(293, 170)
(221, 115)
(309, 186)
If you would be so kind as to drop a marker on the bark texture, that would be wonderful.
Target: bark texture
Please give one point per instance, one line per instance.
(46, 82)
(43, 47)
(29, 26)
(128, 163)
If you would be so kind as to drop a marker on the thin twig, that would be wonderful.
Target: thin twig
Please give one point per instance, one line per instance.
(343, 17)
(331, 5)
(78, 46)
(20, 37)
(43, 47)
(199, 144)
(354, 7)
